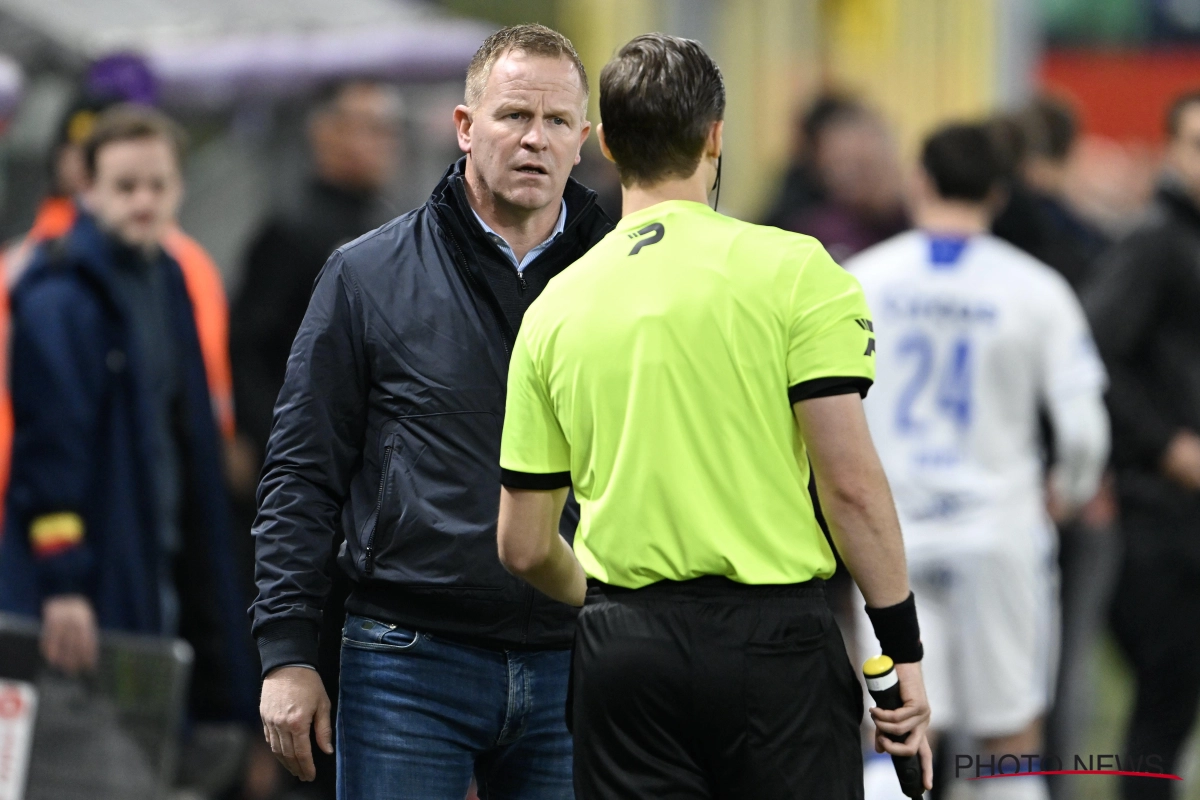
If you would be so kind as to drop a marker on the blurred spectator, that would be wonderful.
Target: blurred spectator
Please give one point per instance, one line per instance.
(354, 135)
(55, 217)
(856, 169)
(117, 514)
(1020, 221)
(1145, 308)
(1052, 135)
(1037, 145)
(1112, 183)
(801, 184)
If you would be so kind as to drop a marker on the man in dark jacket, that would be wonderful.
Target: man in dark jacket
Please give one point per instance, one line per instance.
(353, 136)
(388, 430)
(117, 513)
(1145, 310)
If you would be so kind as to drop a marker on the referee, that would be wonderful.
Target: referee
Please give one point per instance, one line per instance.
(681, 376)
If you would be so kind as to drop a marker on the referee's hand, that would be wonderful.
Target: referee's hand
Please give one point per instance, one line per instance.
(912, 718)
(293, 699)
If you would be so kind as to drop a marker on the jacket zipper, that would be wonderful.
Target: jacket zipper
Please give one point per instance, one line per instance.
(369, 567)
(503, 325)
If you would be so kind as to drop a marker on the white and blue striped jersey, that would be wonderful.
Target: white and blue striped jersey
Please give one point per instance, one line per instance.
(973, 337)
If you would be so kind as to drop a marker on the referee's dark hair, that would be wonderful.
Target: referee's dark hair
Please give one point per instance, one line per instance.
(659, 97)
(962, 163)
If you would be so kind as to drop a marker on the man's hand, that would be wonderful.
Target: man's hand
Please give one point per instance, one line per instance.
(293, 699)
(70, 637)
(1058, 509)
(912, 718)
(1181, 461)
(242, 465)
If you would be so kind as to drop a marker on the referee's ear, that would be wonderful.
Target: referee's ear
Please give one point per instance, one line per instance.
(603, 144)
(715, 139)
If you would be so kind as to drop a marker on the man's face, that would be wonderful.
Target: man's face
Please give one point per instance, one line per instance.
(1184, 150)
(524, 134)
(136, 190)
(356, 144)
(858, 166)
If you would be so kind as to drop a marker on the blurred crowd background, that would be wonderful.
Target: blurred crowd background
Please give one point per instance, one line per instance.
(309, 122)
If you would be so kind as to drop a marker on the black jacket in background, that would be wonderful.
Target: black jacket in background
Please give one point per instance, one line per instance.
(388, 430)
(1144, 307)
(1048, 230)
(282, 263)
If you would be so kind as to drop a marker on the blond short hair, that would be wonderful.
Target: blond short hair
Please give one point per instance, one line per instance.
(534, 40)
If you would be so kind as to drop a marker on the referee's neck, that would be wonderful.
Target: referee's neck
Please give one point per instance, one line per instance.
(639, 196)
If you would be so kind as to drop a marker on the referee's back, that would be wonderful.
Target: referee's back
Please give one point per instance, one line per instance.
(671, 354)
(680, 376)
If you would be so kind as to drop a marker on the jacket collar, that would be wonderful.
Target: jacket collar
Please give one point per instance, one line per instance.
(449, 199)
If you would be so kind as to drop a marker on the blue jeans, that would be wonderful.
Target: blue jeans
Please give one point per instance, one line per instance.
(417, 715)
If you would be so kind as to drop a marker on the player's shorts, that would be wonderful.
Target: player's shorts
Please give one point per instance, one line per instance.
(990, 627)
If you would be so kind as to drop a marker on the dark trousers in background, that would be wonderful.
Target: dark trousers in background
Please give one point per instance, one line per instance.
(1156, 619)
(1088, 559)
(712, 689)
(419, 715)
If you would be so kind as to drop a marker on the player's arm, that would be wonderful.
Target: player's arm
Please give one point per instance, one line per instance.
(535, 476)
(532, 548)
(1073, 382)
(862, 519)
(1081, 439)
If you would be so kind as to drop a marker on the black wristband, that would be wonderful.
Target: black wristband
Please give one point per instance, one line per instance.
(897, 631)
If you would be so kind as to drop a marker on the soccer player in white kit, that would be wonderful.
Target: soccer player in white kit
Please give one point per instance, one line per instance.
(973, 338)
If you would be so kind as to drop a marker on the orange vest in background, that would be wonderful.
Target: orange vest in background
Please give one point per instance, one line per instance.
(205, 289)
(211, 310)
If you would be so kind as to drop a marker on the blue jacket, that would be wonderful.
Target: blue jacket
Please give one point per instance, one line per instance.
(81, 446)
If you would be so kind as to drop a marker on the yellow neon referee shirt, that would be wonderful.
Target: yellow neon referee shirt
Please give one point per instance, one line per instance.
(656, 375)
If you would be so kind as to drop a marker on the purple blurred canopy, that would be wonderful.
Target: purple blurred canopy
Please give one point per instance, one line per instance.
(211, 51)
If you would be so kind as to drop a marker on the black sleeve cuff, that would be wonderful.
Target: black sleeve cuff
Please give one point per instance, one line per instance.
(828, 387)
(288, 641)
(543, 482)
(897, 631)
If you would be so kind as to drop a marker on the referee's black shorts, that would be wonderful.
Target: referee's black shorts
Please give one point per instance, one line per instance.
(713, 689)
